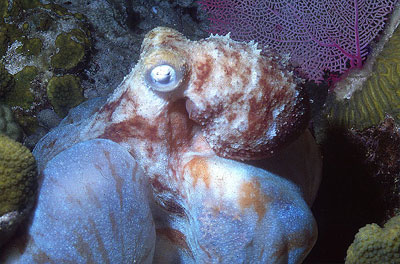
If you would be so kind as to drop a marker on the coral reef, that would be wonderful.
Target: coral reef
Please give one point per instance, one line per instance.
(18, 183)
(179, 126)
(3, 8)
(30, 46)
(373, 244)
(110, 26)
(21, 98)
(48, 118)
(38, 42)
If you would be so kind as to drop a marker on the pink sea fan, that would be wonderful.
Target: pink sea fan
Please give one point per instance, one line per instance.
(319, 35)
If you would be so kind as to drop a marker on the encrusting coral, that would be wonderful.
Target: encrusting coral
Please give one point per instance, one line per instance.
(22, 95)
(156, 174)
(373, 244)
(18, 183)
(64, 93)
(72, 49)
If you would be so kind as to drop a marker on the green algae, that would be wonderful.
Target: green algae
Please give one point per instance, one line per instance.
(25, 26)
(27, 4)
(79, 16)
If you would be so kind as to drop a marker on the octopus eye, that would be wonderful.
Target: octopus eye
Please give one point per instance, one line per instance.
(163, 78)
(164, 70)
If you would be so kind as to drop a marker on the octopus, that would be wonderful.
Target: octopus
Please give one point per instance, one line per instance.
(201, 155)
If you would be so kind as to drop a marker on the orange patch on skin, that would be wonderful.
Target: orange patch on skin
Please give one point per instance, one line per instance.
(198, 169)
(252, 195)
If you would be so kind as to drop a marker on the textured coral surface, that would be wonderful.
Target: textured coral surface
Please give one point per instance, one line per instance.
(17, 175)
(373, 244)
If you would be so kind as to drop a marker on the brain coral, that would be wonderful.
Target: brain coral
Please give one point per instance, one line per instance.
(17, 184)
(373, 244)
(365, 97)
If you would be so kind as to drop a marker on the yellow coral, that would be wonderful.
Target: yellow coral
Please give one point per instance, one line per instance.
(380, 94)
(373, 244)
(17, 175)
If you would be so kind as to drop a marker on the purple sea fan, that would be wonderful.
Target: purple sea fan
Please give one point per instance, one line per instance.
(319, 35)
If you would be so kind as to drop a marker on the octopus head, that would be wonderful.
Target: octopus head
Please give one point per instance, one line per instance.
(247, 103)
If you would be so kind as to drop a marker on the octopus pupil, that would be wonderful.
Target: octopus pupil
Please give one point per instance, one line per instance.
(163, 74)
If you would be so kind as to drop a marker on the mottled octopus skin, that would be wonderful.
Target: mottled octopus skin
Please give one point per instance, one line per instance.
(232, 103)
